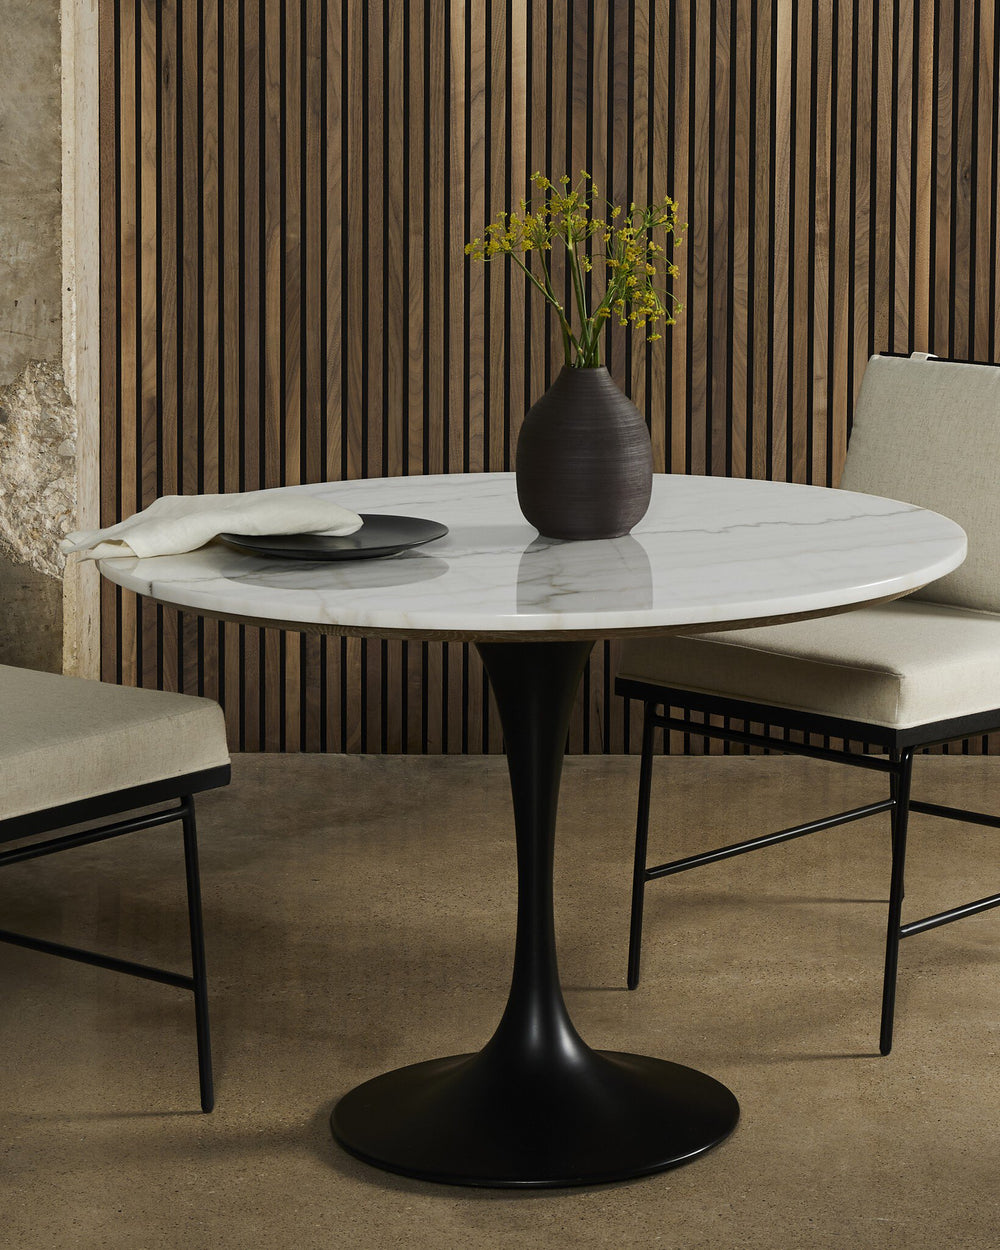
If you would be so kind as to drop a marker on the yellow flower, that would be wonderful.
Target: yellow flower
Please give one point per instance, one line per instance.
(566, 214)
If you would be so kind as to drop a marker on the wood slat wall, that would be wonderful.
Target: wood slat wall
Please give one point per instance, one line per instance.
(287, 186)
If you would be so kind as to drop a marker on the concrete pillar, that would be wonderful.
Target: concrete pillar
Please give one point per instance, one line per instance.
(48, 271)
(37, 421)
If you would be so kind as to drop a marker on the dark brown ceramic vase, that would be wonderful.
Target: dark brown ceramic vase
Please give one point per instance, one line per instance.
(584, 463)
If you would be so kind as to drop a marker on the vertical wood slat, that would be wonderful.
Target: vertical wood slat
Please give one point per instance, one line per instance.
(312, 416)
(111, 187)
(292, 103)
(125, 498)
(165, 459)
(286, 189)
(454, 298)
(150, 343)
(839, 326)
(217, 646)
(273, 177)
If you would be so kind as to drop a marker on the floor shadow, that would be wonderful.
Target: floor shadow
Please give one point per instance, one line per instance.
(110, 1116)
(791, 1057)
(801, 898)
(595, 989)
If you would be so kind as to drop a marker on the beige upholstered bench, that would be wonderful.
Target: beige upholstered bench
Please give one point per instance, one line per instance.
(75, 751)
(899, 676)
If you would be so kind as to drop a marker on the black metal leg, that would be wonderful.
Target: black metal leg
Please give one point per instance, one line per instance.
(894, 795)
(537, 1106)
(198, 957)
(901, 793)
(641, 841)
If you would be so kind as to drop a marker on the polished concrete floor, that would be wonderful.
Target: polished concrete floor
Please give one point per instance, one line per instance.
(359, 915)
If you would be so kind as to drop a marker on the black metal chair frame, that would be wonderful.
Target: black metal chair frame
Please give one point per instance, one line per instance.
(900, 745)
(114, 804)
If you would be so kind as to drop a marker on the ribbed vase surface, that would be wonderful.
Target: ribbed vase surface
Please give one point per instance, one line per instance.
(584, 463)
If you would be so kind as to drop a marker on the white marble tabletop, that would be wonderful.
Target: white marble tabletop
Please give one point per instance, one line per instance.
(710, 551)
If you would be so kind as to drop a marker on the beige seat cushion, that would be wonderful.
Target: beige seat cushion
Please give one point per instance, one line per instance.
(63, 739)
(899, 664)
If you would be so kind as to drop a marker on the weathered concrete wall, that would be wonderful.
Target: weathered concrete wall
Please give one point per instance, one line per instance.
(27, 597)
(30, 185)
(37, 467)
(37, 427)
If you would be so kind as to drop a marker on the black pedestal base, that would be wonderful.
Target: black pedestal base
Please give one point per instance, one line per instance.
(536, 1106)
(467, 1120)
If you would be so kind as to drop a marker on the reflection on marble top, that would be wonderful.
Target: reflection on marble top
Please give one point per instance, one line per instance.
(709, 550)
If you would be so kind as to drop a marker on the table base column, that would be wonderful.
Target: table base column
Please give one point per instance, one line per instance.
(537, 1106)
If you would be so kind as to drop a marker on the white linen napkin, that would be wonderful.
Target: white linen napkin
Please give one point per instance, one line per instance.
(179, 523)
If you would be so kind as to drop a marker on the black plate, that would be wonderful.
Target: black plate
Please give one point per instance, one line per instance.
(378, 536)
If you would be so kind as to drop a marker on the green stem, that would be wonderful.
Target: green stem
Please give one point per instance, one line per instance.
(581, 301)
(569, 342)
(597, 327)
(604, 302)
(567, 339)
(546, 293)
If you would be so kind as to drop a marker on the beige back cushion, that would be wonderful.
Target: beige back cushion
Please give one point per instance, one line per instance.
(928, 432)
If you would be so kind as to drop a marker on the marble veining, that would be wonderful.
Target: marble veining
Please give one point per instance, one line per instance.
(709, 550)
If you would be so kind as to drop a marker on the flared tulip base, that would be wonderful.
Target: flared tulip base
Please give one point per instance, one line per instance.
(579, 1119)
(536, 1107)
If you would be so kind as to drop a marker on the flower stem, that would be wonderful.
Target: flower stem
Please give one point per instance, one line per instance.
(569, 342)
(581, 301)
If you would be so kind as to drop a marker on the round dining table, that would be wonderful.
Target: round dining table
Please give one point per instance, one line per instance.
(537, 1106)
